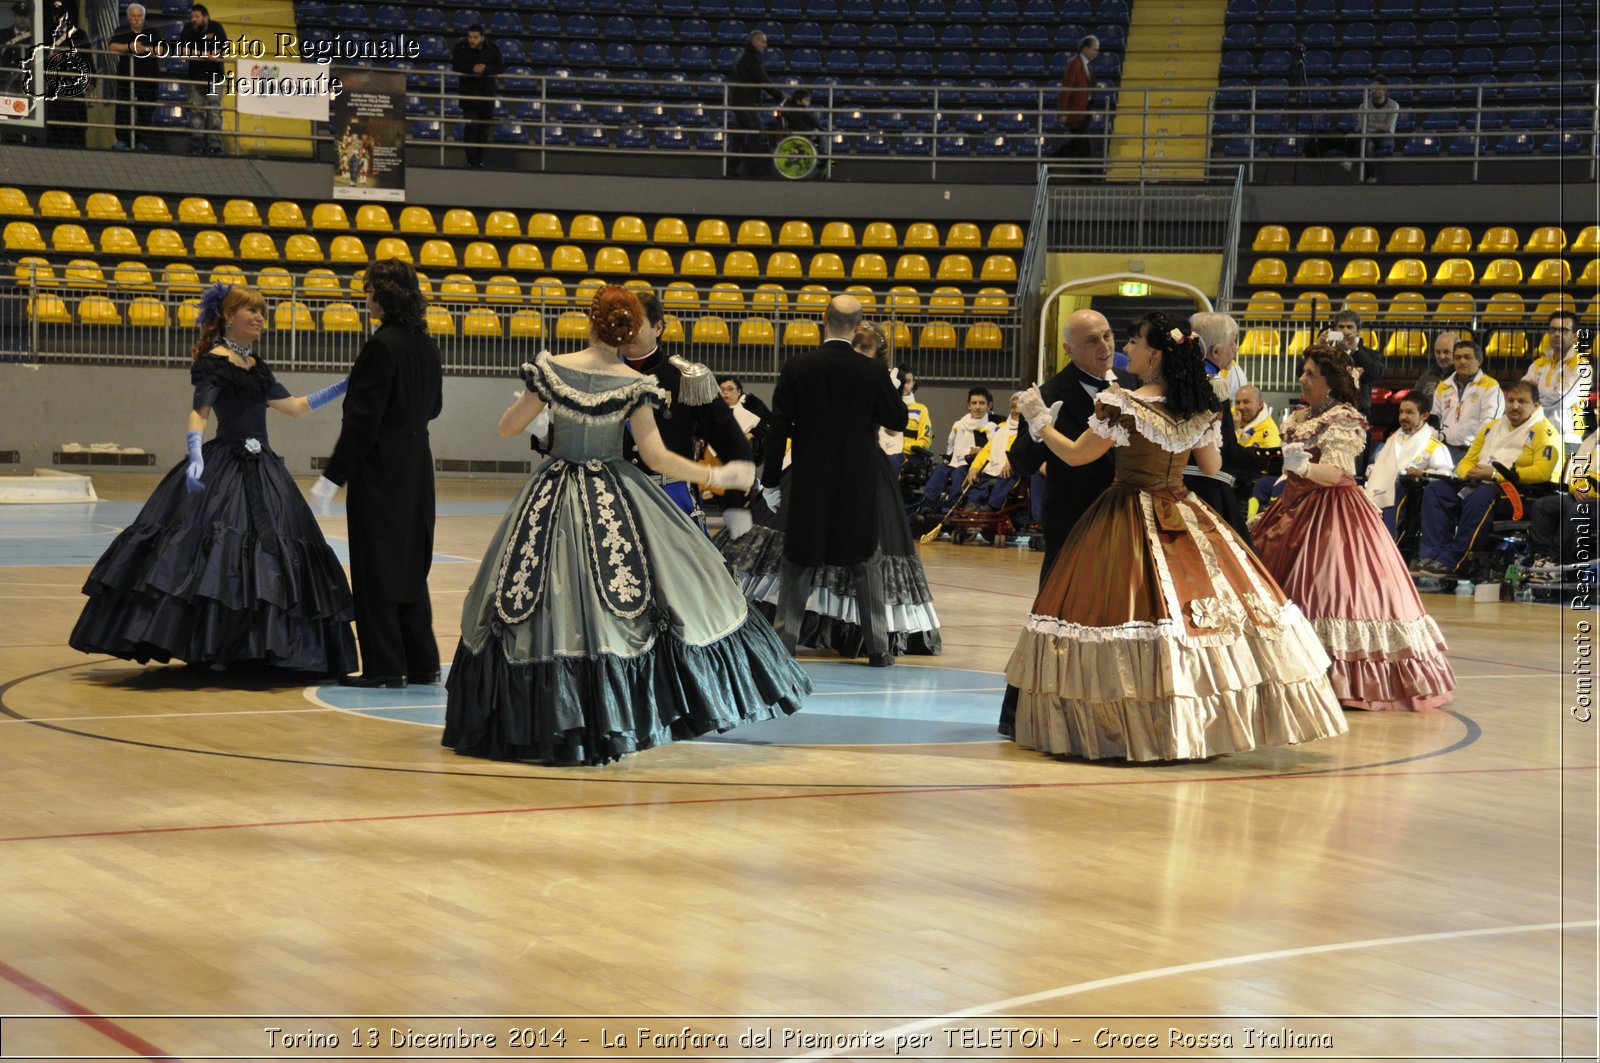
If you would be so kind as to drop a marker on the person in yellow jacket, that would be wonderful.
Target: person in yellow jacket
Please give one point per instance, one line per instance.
(1252, 420)
(1563, 385)
(1466, 400)
(989, 475)
(1523, 442)
(919, 422)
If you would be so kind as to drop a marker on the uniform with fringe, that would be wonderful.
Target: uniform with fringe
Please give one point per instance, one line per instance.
(1157, 635)
(602, 621)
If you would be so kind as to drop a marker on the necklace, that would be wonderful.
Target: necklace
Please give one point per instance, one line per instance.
(239, 349)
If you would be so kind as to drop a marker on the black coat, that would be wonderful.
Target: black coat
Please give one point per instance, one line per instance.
(750, 81)
(681, 424)
(831, 402)
(463, 57)
(396, 388)
(1372, 366)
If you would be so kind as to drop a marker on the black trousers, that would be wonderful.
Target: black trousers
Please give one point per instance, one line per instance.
(1558, 524)
(141, 112)
(794, 587)
(396, 637)
(479, 115)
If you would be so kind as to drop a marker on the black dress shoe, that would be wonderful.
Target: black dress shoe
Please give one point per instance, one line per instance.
(883, 660)
(423, 679)
(386, 682)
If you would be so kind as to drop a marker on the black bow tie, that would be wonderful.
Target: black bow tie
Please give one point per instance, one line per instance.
(1090, 381)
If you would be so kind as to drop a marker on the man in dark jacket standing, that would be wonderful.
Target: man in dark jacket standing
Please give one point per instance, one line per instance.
(478, 62)
(204, 42)
(748, 86)
(830, 403)
(396, 388)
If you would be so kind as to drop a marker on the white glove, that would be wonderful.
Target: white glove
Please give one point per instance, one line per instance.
(322, 493)
(735, 476)
(1031, 407)
(1296, 458)
(737, 521)
(539, 427)
(894, 378)
(773, 496)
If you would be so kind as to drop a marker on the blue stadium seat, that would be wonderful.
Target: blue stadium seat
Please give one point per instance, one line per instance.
(1076, 11)
(1282, 10)
(653, 114)
(511, 133)
(1528, 120)
(711, 9)
(879, 62)
(672, 139)
(1279, 35)
(808, 34)
(1352, 10)
(956, 35)
(995, 36)
(620, 54)
(1474, 8)
(1524, 31)
(1519, 8)
(428, 20)
(1396, 10)
(864, 92)
(1319, 63)
(912, 144)
(916, 63)
(1438, 62)
(1400, 34)
(1319, 35)
(1359, 35)
(857, 10)
(805, 61)
(583, 53)
(992, 144)
(955, 147)
(882, 35)
(844, 35)
(1565, 144)
(919, 35)
(464, 17)
(732, 31)
(1236, 64)
(633, 138)
(894, 10)
(1241, 11)
(351, 15)
(658, 57)
(1112, 39)
(955, 65)
(694, 29)
(930, 11)
(1423, 145)
(1040, 11)
(1475, 61)
(1113, 11)
(822, 10)
(1239, 35)
(511, 51)
(1442, 32)
(426, 130)
(1355, 62)
(1571, 29)
(1392, 61)
(871, 144)
(1515, 144)
(843, 61)
(582, 26)
(991, 65)
(1029, 64)
(1482, 31)
(1441, 122)
(1274, 64)
(1523, 86)
(969, 11)
(1320, 11)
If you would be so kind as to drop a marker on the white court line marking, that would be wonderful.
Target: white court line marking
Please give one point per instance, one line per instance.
(162, 716)
(1204, 965)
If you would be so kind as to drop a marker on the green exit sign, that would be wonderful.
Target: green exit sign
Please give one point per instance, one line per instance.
(1133, 288)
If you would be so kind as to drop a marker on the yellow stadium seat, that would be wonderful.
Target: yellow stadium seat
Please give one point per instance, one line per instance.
(545, 226)
(412, 220)
(572, 325)
(180, 277)
(547, 291)
(899, 336)
(1260, 341)
(347, 249)
(1499, 240)
(612, 260)
(458, 288)
(1406, 306)
(482, 322)
(241, 212)
(838, 234)
(1451, 240)
(1551, 273)
(1360, 271)
(329, 216)
(58, 204)
(282, 214)
(1545, 240)
(710, 330)
(341, 317)
(869, 266)
(188, 313)
(1316, 240)
(880, 234)
(825, 265)
(391, 247)
(1455, 307)
(1455, 271)
(912, 267)
(1587, 242)
(586, 227)
(1360, 240)
(1406, 343)
(1271, 238)
(1363, 303)
(998, 268)
(258, 246)
(812, 297)
(371, 218)
(769, 298)
(680, 297)
(1502, 273)
(118, 240)
(674, 231)
(627, 229)
(938, 336)
(698, 263)
(671, 329)
(358, 283)
(133, 276)
(291, 315)
(49, 309)
(1407, 240)
(525, 257)
(103, 206)
(301, 247)
(441, 253)
(1005, 236)
(84, 273)
(1264, 306)
(985, 337)
(502, 223)
(1590, 281)
(424, 284)
(460, 222)
(725, 298)
(584, 291)
(802, 334)
(1510, 344)
(1300, 339)
(1268, 272)
(227, 273)
(147, 312)
(784, 264)
(1505, 307)
(795, 234)
(1406, 272)
(741, 264)
(569, 258)
(211, 243)
(963, 234)
(654, 262)
(98, 310)
(72, 238)
(151, 209)
(947, 300)
(526, 325)
(273, 280)
(754, 233)
(1313, 271)
(480, 254)
(15, 203)
(991, 301)
(196, 210)
(865, 296)
(1311, 306)
(440, 321)
(23, 236)
(502, 288)
(922, 234)
(321, 283)
(757, 332)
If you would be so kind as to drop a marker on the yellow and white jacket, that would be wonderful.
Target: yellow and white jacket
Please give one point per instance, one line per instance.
(1560, 385)
(1464, 410)
(1532, 448)
(1420, 453)
(1261, 433)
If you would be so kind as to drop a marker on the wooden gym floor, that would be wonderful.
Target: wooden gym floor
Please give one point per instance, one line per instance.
(189, 863)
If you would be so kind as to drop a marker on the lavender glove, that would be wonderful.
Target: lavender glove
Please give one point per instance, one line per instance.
(197, 465)
(319, 399)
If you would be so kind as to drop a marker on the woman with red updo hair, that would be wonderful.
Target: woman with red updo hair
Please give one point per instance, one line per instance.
(602, 620)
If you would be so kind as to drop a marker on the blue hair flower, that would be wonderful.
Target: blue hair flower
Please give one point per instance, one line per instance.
(211, 302)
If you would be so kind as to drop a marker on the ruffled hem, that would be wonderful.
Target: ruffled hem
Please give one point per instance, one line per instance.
(1379, 639)
(592, 710)
(1413, 683)
(916, 635)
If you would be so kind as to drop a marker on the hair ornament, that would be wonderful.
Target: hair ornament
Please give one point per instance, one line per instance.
(211, 302)
(1177, 335)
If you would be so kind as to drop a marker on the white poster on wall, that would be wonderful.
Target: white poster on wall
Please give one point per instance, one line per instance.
(276, 89)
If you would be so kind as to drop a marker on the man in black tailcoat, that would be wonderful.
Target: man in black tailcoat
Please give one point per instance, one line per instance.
(830, 404)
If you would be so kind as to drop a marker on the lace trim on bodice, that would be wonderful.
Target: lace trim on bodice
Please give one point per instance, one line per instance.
(213, 375)
(1116, 410)
(543, 378)
(1338, 435)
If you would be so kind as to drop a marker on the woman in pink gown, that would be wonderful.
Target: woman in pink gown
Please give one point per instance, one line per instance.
(1325, 544)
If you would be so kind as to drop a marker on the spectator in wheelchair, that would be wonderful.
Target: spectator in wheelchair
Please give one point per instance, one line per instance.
(1443, 364)
(1466, 400)
(1558, 524)
(989, 478)
(1414, 449)
(1524, 444)
(919, 422)
(967, 436)
(1252, 420)
(1563, 384)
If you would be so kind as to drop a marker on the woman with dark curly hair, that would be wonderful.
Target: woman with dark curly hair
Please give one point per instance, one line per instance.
(1157, 634)
(396, 388)
(602, 621)
(225, 564)
(1325, 543)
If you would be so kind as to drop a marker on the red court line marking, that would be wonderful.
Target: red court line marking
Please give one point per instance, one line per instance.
(602, 806)
(61, 1002)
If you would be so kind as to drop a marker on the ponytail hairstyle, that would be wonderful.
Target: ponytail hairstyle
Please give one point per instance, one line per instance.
(875, 339)
(615, 315)
(392, 284)
(1183, 365)
(216, 304)
(1335, 366)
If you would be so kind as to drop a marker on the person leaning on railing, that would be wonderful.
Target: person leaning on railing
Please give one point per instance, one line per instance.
(137, 73)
